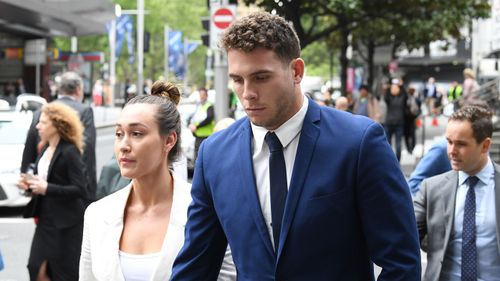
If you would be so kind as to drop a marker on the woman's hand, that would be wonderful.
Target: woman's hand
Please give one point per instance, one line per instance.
(38, 185)
(23, 184)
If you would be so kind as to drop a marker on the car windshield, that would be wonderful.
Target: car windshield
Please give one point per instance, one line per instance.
(12, 132)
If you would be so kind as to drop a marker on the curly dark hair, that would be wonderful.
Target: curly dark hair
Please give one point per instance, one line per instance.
(261, 29)
(165, 95)
(480, 119)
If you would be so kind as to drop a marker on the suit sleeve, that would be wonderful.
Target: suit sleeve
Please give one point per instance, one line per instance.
(205, 243)
(420, 206)
(76, 187)
(30, 146)
(89, 157)
(386, 210)
(434, 162)
(85, 271)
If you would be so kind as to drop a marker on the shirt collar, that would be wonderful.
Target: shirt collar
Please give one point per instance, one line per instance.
(286, 132)
(484, 175)
(62, 96)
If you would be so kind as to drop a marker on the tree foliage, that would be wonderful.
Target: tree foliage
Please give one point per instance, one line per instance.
(409, 23)
(181, 15)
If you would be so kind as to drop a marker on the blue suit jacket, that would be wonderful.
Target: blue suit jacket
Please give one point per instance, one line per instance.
(348, 205)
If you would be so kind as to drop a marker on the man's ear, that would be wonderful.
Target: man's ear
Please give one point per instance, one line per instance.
(486, 145)
(298, 67)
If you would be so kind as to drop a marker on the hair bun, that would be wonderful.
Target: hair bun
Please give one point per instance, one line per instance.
(165, 89)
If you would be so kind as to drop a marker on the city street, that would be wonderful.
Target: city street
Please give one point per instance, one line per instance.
(379, 61)
(16, 233)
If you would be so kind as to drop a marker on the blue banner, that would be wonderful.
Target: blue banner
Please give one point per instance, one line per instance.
(129, 28)
(191, 46)
(176, 62)
(177, 53)
(124, 27)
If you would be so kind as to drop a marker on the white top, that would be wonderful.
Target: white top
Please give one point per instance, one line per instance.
(138, 267)
(103, 227)
(289, 135)
(43, 166)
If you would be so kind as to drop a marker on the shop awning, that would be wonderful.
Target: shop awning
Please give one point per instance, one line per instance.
(50, 18)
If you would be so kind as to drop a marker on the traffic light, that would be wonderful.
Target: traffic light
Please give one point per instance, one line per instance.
(147, 35)
(205, 38)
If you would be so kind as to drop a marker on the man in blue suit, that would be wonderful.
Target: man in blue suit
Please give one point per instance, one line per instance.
(345, 203)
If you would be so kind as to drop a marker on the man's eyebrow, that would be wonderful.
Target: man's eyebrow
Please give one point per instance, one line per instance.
(252, 74)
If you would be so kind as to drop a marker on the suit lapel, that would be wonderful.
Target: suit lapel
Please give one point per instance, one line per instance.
(249, 186)
(448, 195)
(111, 241)
(307, 142)
(56, 155)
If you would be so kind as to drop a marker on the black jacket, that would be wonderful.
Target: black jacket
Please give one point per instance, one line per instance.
(64, 201)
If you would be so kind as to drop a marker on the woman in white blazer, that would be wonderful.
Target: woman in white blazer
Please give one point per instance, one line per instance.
(136, 232)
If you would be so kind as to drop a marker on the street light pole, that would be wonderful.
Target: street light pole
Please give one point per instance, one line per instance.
(140, 46)
(112, 63)
(166, 31)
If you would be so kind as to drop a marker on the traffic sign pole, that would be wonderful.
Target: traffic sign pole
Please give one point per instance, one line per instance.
(221, 18)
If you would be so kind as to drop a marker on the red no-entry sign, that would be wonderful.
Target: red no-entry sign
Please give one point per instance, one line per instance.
(222, 18)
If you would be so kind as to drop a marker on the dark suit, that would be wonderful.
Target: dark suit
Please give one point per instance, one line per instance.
(58, 235)
(435, 212)
(89, 159)
(348, 205)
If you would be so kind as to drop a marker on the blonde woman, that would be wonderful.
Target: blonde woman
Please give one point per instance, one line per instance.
(136, 232)
(470, 84)
(58, 189)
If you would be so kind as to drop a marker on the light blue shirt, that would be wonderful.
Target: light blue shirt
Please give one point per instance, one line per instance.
(486, 239)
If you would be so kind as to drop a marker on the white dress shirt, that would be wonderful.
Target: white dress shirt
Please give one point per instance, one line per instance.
(289, 135)
(486, 237)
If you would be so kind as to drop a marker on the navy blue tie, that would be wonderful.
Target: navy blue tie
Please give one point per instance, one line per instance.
(469, 251)
(277, 175)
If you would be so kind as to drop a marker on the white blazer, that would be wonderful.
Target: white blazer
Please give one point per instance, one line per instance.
(103, 227)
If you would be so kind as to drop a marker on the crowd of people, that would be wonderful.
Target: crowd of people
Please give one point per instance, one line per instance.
(398, 105)
(271, 198)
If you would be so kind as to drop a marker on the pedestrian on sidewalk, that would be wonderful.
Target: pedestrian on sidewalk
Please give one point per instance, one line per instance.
(457, 212)
(58, 188)
(300, 191)
(396, 100)
(412, 111)
(202, 122)
(136, 232)
(70, 94)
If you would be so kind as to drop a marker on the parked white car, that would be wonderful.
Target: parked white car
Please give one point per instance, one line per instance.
(13, 130)
(29, 102)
